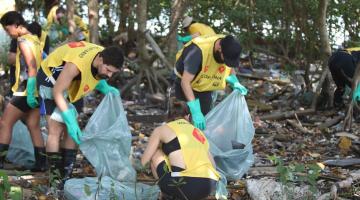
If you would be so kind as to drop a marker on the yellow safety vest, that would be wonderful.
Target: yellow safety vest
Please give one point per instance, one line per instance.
(51, 16)
(82, 55)
(19, 89)
(43, 40)
(349, 50)
(212, 75)
(82, 26)
(194, 148)
(203, 29)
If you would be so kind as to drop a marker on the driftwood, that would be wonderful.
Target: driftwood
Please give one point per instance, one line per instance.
(331, 122)
(348, 117)
(343, 162)
(254, 77)
(298, 126)
(157, 49)
(344, 184)
(287, 114)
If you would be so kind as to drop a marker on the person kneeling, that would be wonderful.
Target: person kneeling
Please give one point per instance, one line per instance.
(180, 159)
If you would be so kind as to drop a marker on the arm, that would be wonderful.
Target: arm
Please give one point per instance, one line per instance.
(29, 58)
(234, 83)
(186, 85)
(31, 64)
(11, 58)
(152, 146)
(192, 65)
(355, 84)
(356, 76)
(63, 82)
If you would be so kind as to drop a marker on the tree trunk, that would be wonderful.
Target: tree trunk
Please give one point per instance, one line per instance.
(94, 21)
(70, 5)
(177, 11)
(124, 15)
(141, 16)
(326, 51)
(109, 23)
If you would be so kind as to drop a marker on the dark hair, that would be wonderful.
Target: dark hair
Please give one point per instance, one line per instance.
(177, 109)
(113, 55)
(35, 29)
(60, 10)
(12, 18)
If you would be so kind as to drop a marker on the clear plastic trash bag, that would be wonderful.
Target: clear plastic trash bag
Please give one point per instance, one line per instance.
(106, 140)
(106, 143)
(21, 150)
(230, 130)
(91, 188)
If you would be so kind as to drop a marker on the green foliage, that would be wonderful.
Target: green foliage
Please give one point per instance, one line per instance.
(296, 173)
(15, 193)
(4, 185)
(87, 190)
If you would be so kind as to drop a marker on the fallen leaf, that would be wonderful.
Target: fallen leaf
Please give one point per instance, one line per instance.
(344, 145)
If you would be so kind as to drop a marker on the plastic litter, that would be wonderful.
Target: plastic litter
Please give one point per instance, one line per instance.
(106, 144)
(230, 130)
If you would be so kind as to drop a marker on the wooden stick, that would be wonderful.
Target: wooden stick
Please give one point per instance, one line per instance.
(298, 126)
(331, 122)
(288, 114)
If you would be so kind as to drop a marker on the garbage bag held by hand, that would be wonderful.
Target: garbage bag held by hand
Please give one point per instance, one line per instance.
(106, 140)
(230, 130)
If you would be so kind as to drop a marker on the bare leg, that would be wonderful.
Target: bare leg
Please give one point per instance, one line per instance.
(32, 120)
(68, 142)
(9, 118)
(55, 131)
(157, 158)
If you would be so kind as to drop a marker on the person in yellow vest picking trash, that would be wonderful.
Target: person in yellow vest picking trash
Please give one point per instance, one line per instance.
(343, 67)
(194, 29)
(24, 103)
(70, 72)
(81, 32)
(179, 157)
(205, 65)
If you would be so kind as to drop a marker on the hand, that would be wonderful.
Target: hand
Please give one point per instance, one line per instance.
(184, 39)
(198, 118)
(72, 126)
(31, 89)
(356, 94)
(235, 84)
(105, 88)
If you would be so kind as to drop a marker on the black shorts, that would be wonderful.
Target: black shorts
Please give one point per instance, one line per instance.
(205, 98)
(20, 103)
(50, 105)
(342, 66)
(192, 187)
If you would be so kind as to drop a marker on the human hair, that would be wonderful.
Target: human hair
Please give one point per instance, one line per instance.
(177, 109)
(35, 29)
(113, 55)
(60, 10)
(13, 18)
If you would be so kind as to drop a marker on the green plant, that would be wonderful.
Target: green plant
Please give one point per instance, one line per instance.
(4, 185)
(296, 173)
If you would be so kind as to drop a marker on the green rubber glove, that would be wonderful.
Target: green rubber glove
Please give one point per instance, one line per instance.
(235, 84)
(69, 117)
(105, 88)
(356, 93)
(198, 118)
(31, 90)
(184, 39)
